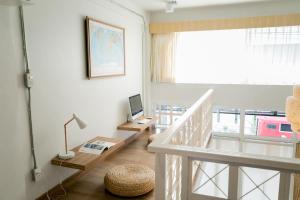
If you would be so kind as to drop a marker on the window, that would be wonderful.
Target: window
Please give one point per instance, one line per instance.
(226, 121)
(269, 56)
(286, 128)
(166, 115)
(271, 126)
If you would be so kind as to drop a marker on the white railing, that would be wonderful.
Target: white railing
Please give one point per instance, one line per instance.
(181, 151)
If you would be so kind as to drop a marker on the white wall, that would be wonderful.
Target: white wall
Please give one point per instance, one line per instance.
(247, 96)
(13, 120)
(235, 96)
(57, 55)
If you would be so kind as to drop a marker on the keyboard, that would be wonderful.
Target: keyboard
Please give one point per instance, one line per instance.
(143, 121)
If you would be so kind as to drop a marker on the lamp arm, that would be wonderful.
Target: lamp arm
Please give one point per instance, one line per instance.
(65, 127)
(69, 121)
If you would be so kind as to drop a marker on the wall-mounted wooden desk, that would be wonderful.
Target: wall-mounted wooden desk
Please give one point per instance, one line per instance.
(84, 161)
(135, 126)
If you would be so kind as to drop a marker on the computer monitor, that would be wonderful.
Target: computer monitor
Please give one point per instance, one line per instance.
(136, 107)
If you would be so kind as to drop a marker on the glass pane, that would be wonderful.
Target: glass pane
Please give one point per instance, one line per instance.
(226, 121)
(165, 108)
(250, 125)
(267, 56)
(165, 120)
(179, 109)
(166, 115)
(211, 179)
(175, 118)
(266, 180)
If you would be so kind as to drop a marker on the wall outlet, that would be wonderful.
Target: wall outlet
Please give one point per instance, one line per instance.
(36, 174)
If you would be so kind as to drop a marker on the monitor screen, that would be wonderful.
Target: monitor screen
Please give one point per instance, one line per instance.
(135, 104)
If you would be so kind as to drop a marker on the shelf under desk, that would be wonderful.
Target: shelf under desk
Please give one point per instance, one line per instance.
(134, 126)
(84, 161)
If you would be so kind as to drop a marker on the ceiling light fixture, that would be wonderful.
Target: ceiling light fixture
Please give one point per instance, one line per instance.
(170, 6)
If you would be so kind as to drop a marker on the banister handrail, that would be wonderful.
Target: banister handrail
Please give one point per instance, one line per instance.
(181, 151)
(161, 145)
(234, 158)
(165, 137)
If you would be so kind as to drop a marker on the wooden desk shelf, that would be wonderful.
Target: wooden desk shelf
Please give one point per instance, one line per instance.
(134, 126)
(84, 161)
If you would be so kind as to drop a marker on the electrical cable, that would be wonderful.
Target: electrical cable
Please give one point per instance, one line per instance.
(24, 39)
(44, 188)
(65, 195)
(27, 70)
(47, 195)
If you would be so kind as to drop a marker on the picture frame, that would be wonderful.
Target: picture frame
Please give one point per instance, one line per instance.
(105, 49)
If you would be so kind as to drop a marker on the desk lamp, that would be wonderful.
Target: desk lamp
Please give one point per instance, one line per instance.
(70, 154)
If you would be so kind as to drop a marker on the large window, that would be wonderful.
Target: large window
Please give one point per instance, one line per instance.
(269, 56)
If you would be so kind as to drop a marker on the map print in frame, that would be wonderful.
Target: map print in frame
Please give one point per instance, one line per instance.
(106, 49)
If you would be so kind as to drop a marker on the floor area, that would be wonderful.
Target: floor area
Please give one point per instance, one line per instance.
(91, 186)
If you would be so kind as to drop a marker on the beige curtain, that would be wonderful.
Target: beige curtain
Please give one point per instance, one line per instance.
(163, 52)
(222, 24)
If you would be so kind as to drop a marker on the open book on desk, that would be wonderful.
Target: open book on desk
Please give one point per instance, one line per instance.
(96, 147)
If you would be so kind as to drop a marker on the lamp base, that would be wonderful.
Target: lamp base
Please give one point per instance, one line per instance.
(66, 156)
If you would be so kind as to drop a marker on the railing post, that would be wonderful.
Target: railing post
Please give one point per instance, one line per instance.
(284, 186)
(233, 184)
(160, 176)
(186, 178)
(242, 124)
(297, 176)
(200, 127)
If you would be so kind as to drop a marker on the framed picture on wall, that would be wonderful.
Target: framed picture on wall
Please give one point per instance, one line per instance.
(106, 49)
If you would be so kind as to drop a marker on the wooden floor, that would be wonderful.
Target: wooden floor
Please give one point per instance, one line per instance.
(91, 187)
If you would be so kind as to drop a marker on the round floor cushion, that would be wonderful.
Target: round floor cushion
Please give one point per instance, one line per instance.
(129, 180)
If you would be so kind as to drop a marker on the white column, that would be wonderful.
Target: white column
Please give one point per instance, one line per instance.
(284, 186)
(186, 178)
(233, 183)
(160, 176)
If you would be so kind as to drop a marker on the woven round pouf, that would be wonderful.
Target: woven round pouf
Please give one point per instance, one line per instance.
(129, 180)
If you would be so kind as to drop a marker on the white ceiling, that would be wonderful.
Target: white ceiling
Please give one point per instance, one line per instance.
(152, 5)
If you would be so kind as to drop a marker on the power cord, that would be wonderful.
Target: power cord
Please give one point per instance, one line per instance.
(28, 84)
(62, 196)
